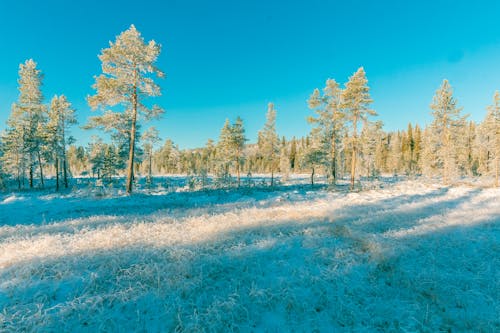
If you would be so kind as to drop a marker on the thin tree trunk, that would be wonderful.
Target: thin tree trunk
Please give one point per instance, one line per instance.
(130, 169)
(41, 168)
(56, 164)
(354, 147)
(31, 171)
(150, 172)
(272, 176)
(238, 169)
(496, 169)
(312, 177)
(65, 172)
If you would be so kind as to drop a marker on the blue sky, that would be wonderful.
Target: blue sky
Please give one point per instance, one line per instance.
(225, 59)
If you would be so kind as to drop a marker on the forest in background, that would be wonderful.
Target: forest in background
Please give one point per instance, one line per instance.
(346, 140)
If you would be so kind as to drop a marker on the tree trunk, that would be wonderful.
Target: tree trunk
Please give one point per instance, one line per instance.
(130, 169)
(41, 168)
(31, 172)
(150, 171)
(354, 147)
(56, 164)
(272, 176)
(65, 172)
(312, 177)
(238, 169)
(497, 160)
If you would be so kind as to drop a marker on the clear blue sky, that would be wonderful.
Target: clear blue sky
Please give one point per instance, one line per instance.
(230, 58)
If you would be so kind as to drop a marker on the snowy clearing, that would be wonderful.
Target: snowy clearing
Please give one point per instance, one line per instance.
(403, 257)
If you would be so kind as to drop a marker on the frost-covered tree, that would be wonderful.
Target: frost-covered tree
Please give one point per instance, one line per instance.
(13, 158)
(355, 101)
(61, 116)
(491, 137)
(395, 157)
(24, 126)
(445, 134)
(328, 124)
(238, 140)
(128, 67)
(230, 148)
(370, 140)
(224, 152)
(167, 158)
(313, 156)
(96, 151)
(149, 139)
(268, 141)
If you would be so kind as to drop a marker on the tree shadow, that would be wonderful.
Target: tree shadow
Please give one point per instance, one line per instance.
(312, 273)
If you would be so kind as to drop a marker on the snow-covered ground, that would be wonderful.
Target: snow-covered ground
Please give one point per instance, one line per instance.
(403, 256)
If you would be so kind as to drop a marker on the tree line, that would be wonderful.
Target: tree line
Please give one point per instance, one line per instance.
(345, 139)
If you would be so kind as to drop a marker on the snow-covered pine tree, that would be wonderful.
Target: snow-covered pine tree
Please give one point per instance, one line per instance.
(61, 116)
(238, 140)
(149, 139)
(491, 130)
(395, 157)
(128, 66)
(284, 162)
(446, 132)
(95, 152)
(26, 122)
(313, 156)
(355, 101)
(371, 137)
(13, 158)
(328, 124)
(269, 143)
(224, 153)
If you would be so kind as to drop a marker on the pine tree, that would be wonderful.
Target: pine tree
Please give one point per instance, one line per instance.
(149, 139)
(127, 65)
(329, 124)
(61, 116)
(237, 144)
(395, 158)
(355, 101)
(269, 143)
(225, 152)
(293, 154)
(23, 137)
(313, 156)
(445, 131)
(371, 136)
(492, 132)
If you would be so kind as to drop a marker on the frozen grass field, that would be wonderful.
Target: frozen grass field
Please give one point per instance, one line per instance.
(403, 256)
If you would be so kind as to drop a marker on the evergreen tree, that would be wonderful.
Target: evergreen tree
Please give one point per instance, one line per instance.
(328, 124)
(127, 66)
(293, 154)
(395, 158)
(355, 102)
(24, 138)
(269, 144)
(225, 152)
(492, 133)
(237, 144)
(371, 136)
(149, 139)
(61, 117)
(445, 132)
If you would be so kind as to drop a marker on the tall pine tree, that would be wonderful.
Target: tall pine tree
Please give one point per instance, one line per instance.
(128, 66)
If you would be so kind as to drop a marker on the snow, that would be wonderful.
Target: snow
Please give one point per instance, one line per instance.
(399, 256)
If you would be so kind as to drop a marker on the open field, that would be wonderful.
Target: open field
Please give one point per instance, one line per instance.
(403, 256)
